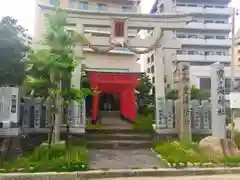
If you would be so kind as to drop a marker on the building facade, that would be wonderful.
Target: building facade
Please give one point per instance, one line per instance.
(118, 58)
(205, 40)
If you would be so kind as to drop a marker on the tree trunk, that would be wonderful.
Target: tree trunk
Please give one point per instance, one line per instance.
(58, 117)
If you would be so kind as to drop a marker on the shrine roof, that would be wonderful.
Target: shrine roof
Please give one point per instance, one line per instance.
(111, 70)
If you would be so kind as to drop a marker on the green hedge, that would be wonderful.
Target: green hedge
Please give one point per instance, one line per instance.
(55, 159)
(144, 123)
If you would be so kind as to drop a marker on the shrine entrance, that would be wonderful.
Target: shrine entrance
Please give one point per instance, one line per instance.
(114, 91)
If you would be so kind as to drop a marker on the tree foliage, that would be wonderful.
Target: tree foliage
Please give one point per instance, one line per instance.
(12, 52)
(50, 68)
(145, 99)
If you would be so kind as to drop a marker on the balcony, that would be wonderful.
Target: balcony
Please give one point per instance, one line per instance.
(96, 8)
(190, 58)
(218, 42)
(192, 41)
(188, 9)
(200, 57)
(195, 25)
(117, 50)
(218, 58)
(218, 26)
(205, 42)
(216, 11)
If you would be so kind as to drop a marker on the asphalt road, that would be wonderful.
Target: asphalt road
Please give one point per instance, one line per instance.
(213, 177)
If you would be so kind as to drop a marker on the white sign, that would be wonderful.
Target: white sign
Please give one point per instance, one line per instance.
(234, 100)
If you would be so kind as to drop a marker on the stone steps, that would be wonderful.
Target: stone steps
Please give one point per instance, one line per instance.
(118, 136)
(118, 139)
(113, 130)
(120, 144)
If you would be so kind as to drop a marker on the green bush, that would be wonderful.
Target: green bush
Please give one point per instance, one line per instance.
(237, 140)
(144, 123)
(56, 159)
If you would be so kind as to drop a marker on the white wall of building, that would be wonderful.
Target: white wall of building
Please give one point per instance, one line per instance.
(205, 40)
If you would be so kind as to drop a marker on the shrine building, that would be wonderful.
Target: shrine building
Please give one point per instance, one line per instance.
(113, 73)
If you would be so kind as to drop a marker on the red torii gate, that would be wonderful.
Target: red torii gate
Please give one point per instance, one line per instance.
(123, 83)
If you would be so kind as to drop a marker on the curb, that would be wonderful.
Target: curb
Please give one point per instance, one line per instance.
(169, 172)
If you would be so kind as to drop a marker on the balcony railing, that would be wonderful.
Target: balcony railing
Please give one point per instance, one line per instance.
(201, 57)
(97, 8)
(205, 10)
(202, 41)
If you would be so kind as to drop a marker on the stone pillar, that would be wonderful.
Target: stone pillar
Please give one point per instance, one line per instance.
(37, 112)
(159, 87)
(184, 92)
(217, 99)
(76, 78)
(168, 53)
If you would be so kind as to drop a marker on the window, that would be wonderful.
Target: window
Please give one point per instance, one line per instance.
(227, 85)
(71, 4)
(209, 37)
(102, 7)
(83, 5)
(192, 5)
(205, 83)
(181, 5)
(126, 9)
(148, 70)
(219, 7)
(148, 60)
(220, 37)
(208, 21)
(220, 22)
(192, 52)
(208, 6)
(152, 58)
(181, 52)
(119, 29)
(153, 79)
(192, 36)
(181, 36)
(152, 69)
(52, 2)
(207, 53)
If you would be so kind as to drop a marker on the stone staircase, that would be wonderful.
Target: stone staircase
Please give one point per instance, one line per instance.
(118, 139)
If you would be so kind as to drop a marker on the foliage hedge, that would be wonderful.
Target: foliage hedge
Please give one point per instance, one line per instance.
(144, 123)
(55, 159)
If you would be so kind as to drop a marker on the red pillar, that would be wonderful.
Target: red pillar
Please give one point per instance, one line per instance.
(95, 107)
(130, 103)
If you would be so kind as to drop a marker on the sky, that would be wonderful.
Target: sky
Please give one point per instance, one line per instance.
(24, 11)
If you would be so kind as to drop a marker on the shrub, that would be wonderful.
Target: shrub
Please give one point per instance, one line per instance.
(57, 159)
(144, 123)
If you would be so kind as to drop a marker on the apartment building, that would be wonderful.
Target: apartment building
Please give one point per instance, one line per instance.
(119, 58)
(205, 40)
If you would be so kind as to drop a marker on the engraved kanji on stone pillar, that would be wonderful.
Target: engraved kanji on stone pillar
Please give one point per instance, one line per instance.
(217, 100)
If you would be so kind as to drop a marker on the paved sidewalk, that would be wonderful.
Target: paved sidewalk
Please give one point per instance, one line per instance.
(123, 159)
(213, 177)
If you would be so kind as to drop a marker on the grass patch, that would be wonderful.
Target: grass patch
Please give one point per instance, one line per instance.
(176, 152)
(55, 159)
(181, 152)
(144, 123)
